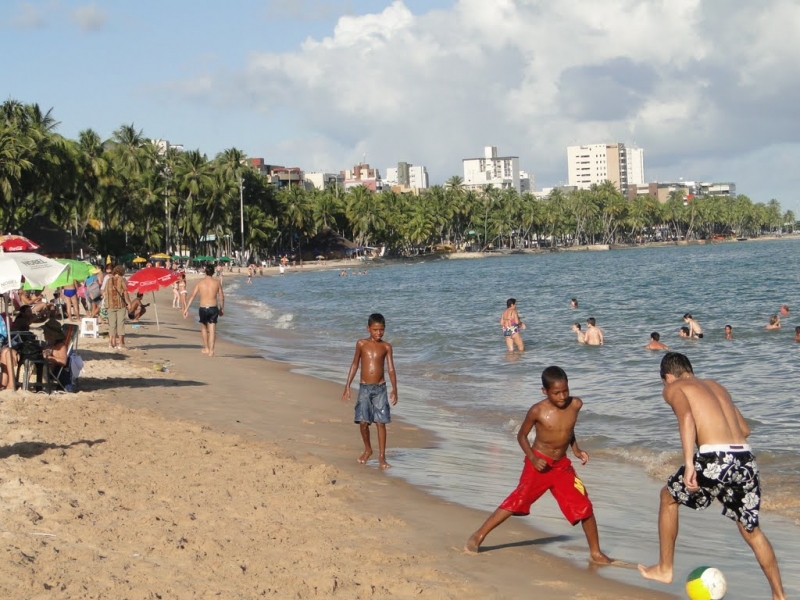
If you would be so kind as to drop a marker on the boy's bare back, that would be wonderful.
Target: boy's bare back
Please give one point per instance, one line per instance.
(208, 288)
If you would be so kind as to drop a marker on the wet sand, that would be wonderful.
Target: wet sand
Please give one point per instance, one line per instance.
(231, 477)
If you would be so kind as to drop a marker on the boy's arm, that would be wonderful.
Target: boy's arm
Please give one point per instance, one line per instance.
(688, 431)
(580, 454)
(221, 300)
(191, 299)
(392, 374)
(522, 439)
(353, 370)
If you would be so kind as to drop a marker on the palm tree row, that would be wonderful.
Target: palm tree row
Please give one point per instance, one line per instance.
(125, 194)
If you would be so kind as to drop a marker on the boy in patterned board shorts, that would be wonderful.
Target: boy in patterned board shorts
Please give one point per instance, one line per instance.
(372, 405)
(722, 468)
(547, 466)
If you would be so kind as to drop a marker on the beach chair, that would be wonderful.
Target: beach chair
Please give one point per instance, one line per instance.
(48, 376)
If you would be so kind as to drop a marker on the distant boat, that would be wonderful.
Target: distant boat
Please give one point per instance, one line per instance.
(741, 239)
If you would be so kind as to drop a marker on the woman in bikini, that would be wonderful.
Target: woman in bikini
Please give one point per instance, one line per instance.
(512, 324)
(182, 290)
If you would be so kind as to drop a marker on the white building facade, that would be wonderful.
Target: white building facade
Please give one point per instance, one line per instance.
(323, 181)
(499, 171)
(596, 163)
(407, 175)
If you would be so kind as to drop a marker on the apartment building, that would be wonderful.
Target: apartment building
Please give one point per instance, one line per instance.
(322, 181)
(363, 174)
(499, 171)
(407, 176)
(597, 163)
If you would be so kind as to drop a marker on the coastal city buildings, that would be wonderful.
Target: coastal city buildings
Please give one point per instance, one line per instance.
(597, 163)
(278, 175)
(363, 174)
(323, 181)
(499, 171)
(661, 190)
(163, 145)
(526, 183)
(407, 176)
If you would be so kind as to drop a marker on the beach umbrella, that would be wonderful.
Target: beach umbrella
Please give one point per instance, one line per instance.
(139, 259)
(17, 243)
(225, 259)
(160, 256)
(76, 270)
(151, 279)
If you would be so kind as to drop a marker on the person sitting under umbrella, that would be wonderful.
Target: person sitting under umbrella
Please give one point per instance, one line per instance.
(137, 308)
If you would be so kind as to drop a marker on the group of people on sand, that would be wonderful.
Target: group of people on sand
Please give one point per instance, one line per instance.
(718, 463)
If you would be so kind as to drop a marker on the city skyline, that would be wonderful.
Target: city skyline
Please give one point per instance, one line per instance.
(706, 90)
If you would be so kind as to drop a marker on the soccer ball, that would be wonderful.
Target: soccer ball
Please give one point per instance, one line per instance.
(706, 583)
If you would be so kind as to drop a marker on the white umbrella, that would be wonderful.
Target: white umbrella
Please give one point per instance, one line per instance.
(37, 270)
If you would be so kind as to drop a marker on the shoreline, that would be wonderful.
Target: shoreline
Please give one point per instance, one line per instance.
(250, 400)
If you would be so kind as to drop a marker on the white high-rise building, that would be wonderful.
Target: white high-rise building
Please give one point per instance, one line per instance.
(499, 171)
(597, 163)
(407, 175)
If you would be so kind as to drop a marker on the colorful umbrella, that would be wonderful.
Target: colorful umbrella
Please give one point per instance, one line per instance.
(151, 279)
(17, 243)
(139, 259)
(77, 270)
(37, 270)
(160, 256)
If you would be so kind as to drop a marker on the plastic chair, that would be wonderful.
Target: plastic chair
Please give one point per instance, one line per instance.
(88, 327)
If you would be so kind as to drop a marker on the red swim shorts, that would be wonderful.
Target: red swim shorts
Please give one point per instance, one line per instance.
(563, 483)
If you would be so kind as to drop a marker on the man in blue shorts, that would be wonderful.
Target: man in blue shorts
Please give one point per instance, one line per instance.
(212, 303)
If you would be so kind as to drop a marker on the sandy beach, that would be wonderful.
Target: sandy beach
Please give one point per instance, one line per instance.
(174, 475)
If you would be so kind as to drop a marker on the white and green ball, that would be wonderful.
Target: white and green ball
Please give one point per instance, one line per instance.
(706, 583)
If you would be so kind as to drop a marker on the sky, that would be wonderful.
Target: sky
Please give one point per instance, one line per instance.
(708, 88)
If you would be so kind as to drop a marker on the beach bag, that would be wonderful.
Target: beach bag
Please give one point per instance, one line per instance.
(93, 291)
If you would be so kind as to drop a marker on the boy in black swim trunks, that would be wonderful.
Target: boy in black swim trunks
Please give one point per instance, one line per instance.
(722, 468)
(212, 303)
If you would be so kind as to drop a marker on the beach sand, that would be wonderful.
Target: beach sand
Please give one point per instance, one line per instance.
(232, 477)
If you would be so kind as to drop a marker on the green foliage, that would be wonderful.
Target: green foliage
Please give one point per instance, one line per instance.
(124, 195)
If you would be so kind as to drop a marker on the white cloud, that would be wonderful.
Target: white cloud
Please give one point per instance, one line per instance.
(687, 80)
(29, 17)
(89, 18)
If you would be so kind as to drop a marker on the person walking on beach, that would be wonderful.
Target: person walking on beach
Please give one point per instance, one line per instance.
(722, 467)
(511, 324)
(695, 331)
(547, 466)
(212, 303)
(655, 342)
(372, 406)
(594, 335)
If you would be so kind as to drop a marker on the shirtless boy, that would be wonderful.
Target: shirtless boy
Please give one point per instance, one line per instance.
(511, 324)
(372, 405)
(797, 334)
(593, 335)
(728, 332)
(581, 337)
(695, 330)
(547, 466)
(655, 342)
(210, 309)
(722, 467)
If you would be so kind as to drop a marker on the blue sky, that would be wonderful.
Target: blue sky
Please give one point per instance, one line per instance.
(707, 88)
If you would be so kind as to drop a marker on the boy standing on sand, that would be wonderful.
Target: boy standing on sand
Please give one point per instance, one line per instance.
(372, 405)
(547, 466)
(717, 464)
(212, 305)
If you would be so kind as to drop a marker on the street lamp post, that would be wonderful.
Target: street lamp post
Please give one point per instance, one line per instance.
(241, 212)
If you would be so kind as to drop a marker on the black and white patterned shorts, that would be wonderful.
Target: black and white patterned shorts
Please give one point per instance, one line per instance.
(730, 477)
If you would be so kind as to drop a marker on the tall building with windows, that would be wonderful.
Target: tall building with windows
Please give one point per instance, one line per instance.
(406, 175)
(597, 163)
(499, 171)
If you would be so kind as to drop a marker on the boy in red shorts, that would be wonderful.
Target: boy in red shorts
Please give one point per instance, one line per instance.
(547, 466)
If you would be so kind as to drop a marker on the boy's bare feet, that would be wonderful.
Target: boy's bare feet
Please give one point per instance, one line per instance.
(600, 558)
(365, 456)
(384, 464)
(473, 545)
(204, 350)
(656, 573)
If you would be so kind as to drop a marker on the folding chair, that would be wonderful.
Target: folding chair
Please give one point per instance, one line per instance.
(48, 374)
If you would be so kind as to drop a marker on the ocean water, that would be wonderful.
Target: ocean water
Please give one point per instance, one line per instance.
(456, 378)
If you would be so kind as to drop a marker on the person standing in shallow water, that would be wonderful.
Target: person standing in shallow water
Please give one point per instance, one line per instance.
(717, 464)
(546, 466)
(511, 323)
(372, 406)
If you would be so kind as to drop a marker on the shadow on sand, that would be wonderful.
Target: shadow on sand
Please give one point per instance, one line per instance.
(31, 449)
